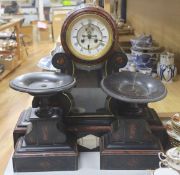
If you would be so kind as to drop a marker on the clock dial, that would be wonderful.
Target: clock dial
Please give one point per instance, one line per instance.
(88, 36)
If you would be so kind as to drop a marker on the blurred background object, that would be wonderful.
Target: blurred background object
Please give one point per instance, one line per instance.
(12, 9)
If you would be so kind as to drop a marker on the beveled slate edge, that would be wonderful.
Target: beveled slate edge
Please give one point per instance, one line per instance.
(51, 159)
(132, 100)
(40, 92)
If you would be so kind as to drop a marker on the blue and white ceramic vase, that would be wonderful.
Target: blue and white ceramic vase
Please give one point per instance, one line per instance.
(145, 54)
(166, 68)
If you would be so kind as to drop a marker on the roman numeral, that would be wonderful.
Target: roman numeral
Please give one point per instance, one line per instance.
(102, 29)
(88, 46)
(102, 44)
(89, 21)
(76, 44)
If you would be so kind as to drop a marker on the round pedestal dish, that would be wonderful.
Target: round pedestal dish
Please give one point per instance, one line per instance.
(133, 87)
(42, 83)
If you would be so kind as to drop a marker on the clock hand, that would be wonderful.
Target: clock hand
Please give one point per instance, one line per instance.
(96, 40)
(89, 45)
(101, 40)
(89, 35)
(94, 36)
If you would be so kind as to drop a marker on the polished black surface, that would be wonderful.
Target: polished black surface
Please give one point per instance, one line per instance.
(133, 87)
(116, 61)
(42, 83)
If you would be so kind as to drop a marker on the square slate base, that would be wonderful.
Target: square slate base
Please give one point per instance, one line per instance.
(89, 164)
(129, 146)
(36, 159)
(129, 160)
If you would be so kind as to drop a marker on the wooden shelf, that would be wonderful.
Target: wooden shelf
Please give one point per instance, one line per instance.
(10, 24)
(14, 23)
(8, 52)
(6, 72)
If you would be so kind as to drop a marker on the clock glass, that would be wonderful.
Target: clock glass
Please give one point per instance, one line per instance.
(89, 37)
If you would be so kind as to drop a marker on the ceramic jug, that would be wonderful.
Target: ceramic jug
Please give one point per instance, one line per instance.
(166, 68)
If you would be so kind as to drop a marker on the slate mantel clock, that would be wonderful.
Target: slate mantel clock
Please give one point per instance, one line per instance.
(63, 113)
(88, 35)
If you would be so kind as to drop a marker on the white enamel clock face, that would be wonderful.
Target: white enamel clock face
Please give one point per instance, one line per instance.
(89, 37)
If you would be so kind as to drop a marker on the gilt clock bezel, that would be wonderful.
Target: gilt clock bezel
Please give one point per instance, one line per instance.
(88, 11)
